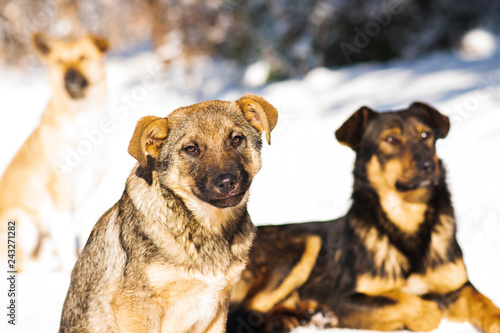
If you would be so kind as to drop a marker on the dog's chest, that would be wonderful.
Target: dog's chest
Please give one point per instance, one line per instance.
(188, 301)
(387, 262)
(390, 265)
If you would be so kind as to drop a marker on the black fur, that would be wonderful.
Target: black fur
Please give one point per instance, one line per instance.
(344, 256)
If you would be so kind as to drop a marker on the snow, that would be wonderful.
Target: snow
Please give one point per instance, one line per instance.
(257, 74)
(306, 174)
(478, 44)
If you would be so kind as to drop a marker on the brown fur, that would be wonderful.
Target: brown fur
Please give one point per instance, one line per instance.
(33, 190)
(392, 263)
(164, 258)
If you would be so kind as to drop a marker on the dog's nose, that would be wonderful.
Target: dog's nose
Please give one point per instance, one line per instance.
(428, 166)
(225, 183)
(74, 77)
(71, 75)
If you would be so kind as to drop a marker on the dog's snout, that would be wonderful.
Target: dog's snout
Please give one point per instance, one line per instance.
(428, 166)
(73, 80)
(71, 75)
(424, 162)
(226, 183)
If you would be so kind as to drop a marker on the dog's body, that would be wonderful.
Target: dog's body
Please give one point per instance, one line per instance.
(34, 191)
(393, 262)
(164, 258)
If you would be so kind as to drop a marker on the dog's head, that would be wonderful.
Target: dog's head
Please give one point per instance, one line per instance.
(74, 66)
(396, 151)
(209, 151)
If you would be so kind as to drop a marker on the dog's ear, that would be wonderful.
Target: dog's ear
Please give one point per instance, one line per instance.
(43, 43)
(150, 133)
(259, 113)
(439, 122)
(101, 43)
(351, 132)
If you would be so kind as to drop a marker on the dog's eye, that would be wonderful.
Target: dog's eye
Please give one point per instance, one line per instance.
(424, 136)
(391, 139)
(191, 149)
(236, 140)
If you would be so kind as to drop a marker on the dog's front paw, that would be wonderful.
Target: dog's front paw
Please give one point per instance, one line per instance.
(311, 313)
(324, 318)
(425, 317)
(303, 313)
(281, 323)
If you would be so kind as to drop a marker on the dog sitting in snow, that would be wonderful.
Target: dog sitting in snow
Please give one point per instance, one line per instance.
(164, 258)
(35, 193)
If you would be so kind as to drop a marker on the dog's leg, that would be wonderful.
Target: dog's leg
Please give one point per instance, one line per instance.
(469, 305)
(265, 300)
(87, 204)
(218, 325)
(28, 236)
(294, 312)
(63, 238)
(132, 315)
(60, 223)
(389, 312)
(281, 307)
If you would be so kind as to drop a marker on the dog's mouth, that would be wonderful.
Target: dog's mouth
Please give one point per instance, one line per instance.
(223, 189)
(229, 201)
(221, 201)
(75, 92)
(414, 185)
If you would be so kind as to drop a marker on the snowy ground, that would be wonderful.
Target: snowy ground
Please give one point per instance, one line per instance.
(306, 174)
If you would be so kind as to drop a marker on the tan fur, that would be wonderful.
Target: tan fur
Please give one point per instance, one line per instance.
(376, 285)
(150, 133)
(441, 236)
(389, 259)
(266, 300)
(442, 280)
(176, 254)
(260, 113)
(409, 311)
(33, 190)
(472, 306)
(406, 214)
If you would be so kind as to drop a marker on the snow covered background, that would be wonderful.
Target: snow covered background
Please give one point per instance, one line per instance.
(306, 173)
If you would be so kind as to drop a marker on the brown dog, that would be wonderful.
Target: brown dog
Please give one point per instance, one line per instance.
(164, 258)
(34, 192)
(392, 263)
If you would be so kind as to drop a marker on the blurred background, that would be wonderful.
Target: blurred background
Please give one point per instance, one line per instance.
(289, 36)
(316, 61)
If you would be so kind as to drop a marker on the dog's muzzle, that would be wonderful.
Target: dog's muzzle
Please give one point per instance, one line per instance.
(427, 176)
(225, 183)
(75, 83)
(223, 190)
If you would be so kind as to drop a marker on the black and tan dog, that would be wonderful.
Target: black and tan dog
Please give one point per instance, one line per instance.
(165, 257)
(393, 262)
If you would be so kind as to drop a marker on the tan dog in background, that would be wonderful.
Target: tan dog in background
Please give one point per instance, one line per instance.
(37, 189)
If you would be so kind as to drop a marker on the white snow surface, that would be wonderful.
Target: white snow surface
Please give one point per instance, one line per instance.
(306, 173)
